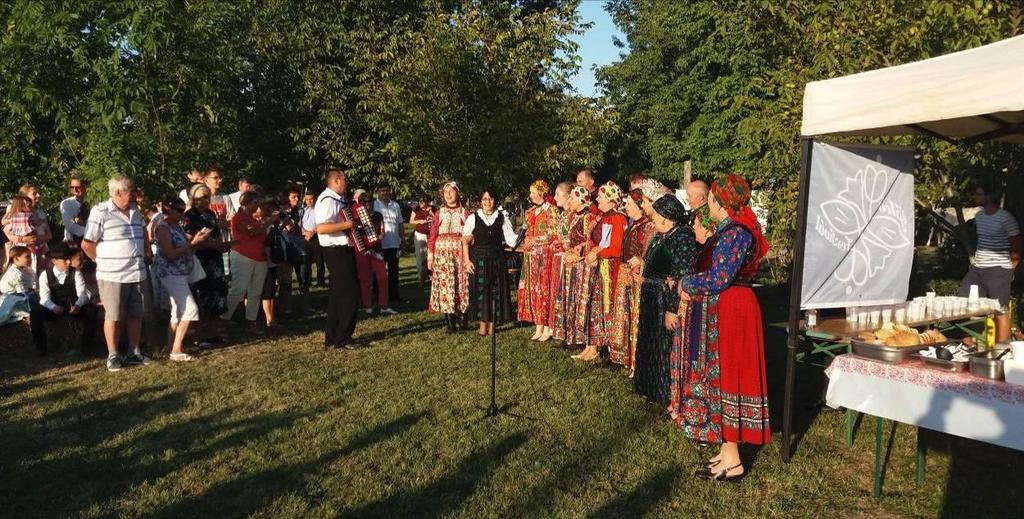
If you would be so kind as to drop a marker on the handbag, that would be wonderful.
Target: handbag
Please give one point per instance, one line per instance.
(198, 274)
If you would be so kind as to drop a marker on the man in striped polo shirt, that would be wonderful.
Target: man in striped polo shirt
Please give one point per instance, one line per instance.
(115, 238)
(996, 254)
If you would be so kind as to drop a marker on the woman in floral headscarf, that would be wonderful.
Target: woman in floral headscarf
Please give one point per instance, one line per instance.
(604, 259)
(534, 297)
(631, 275)
(725, 398)
(574, 290)
(449, 286)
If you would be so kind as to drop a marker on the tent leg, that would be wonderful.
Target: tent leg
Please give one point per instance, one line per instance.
(796, 280)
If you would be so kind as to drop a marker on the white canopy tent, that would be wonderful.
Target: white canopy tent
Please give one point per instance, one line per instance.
(972, 95)
(965, 97)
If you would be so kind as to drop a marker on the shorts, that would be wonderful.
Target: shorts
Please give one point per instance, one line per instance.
(122, 300)
(993, 283)
(183, 305)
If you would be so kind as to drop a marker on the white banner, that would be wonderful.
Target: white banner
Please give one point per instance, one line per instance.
(860, 226)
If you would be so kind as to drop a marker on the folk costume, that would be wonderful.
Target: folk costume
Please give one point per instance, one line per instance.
(625, 324)
(725, 397)
(488, 284)
(572, 326)
(667, 260)
(449, 286)
(606, 237)
(534, 297)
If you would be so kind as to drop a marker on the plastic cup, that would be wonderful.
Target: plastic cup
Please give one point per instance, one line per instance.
(1017, 350)
(900, 316)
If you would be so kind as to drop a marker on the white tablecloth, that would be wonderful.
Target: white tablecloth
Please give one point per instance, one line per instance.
(955, 403)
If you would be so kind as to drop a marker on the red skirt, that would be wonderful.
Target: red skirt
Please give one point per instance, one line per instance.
(725, 396)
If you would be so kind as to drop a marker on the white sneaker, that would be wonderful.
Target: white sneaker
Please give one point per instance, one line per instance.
(388, 311)
(182, 357)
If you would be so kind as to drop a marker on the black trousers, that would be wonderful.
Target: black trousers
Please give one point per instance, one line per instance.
(41, 315)
(343, 295)
(391, 259)
(314, 255)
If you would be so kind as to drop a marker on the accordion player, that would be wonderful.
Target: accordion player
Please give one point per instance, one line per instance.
(363, 234)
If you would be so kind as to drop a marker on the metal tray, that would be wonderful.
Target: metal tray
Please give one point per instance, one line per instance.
(984, 365)
(944, 365)
(883, 353)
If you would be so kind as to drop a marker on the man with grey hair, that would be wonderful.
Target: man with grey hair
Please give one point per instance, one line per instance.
(115, 238)
(696, 195)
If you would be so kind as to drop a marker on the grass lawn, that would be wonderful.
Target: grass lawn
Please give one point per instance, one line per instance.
(277, 426)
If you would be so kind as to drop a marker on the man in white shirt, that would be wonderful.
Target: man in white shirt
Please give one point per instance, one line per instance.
(115, 238)
(74, 212)
(391, 242)
(342, 297)
(307, 218)
(62, 294)
(244, 184)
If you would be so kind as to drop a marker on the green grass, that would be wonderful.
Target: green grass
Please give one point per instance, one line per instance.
(277, 426)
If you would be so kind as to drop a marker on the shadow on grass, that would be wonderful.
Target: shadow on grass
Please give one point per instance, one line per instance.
(81, 447)
(447, 493)
(247, 495)
(645, 497)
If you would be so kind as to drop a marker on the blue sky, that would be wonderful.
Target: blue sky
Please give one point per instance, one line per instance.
(595, 45)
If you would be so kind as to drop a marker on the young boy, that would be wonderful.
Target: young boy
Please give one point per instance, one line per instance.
(19, 278)
(62, 293)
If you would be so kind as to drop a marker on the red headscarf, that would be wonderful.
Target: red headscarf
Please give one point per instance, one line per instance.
(733, 193)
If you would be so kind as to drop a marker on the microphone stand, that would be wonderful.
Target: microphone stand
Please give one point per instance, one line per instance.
(493, 410)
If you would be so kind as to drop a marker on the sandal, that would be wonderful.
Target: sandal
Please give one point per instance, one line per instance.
(722, 475)
(182, 357)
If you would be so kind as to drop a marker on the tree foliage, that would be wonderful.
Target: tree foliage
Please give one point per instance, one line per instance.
(409, 93)
(721, 84)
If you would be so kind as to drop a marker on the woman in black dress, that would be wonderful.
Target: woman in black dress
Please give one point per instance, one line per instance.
(486, 234)
(212, 290)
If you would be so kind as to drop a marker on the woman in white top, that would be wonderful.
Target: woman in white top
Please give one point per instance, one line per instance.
(173, 264)
(486, 235)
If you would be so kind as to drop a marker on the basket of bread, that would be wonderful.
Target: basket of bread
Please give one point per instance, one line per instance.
(894, 342)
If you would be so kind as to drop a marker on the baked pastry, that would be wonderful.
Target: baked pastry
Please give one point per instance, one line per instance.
(904, 339)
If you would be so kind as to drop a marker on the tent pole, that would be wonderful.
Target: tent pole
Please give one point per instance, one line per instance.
(796, 280)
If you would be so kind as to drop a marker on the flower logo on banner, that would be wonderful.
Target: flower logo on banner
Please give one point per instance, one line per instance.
(871, 226)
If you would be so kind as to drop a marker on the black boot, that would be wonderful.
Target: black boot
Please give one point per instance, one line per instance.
(463, 321)
(449, 323)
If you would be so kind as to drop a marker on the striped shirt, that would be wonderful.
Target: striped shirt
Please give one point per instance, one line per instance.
(120, 243)
(994, 232)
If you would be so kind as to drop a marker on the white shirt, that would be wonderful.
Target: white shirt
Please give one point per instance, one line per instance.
(506, 228)
(120, 243)
(236, 199)
(308, 219)
(184, 196)
(61, 276)
(69, 209)
(16, 280)
(327, 209)
(392, 213)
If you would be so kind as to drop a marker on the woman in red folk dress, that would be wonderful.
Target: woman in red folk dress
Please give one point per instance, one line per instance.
(559, 244)
(604, 259)
(625, 329)
(726, 397)
(534, 296)
(449, 287)
(575, 288)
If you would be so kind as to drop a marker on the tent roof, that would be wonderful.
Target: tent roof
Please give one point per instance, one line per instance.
(972, 95)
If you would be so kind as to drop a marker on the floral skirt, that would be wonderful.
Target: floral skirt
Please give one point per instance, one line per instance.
(626, 321)
(556, 319)
(534, 296)
(603, 290)
(449, 286)
(725, 394)
(574, 302)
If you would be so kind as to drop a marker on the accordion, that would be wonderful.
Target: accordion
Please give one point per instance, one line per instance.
(363, 233)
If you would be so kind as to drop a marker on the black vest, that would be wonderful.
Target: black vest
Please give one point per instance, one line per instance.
(62, 294)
